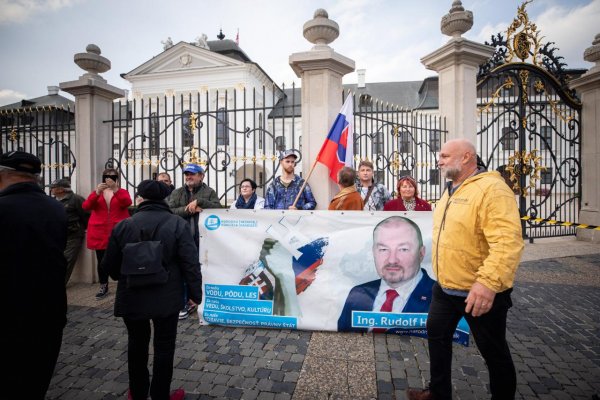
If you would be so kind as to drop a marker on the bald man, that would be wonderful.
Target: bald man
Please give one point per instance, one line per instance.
(477, 245)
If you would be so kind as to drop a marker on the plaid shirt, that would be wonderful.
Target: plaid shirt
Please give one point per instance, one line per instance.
(379, 196)
(280, 197)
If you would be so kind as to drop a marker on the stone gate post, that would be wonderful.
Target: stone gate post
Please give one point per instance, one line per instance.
(457, 63)
(321, 70)
(93, 105)
(588, 87)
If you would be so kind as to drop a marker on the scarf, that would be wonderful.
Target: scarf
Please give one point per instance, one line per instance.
(241, 203)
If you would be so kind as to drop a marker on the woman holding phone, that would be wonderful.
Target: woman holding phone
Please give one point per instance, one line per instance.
(108, 205)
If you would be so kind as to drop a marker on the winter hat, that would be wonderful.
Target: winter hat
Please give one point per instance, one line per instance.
(152, 190)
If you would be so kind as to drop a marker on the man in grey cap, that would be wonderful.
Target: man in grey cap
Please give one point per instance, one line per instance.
(77, 219)
(282, 193)
(32, 241)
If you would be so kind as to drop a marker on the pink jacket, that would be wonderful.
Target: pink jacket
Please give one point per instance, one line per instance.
(102, 221)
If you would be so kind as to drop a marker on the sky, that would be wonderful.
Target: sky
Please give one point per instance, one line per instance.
(387, 38)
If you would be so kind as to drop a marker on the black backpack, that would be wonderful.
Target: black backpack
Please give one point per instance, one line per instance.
(142, 263)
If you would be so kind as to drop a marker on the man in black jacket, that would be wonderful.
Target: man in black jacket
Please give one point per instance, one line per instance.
(33, 236)
(160, 303)
(77, 219)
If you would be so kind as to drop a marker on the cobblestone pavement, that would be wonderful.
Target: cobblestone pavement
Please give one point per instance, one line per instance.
(553, 330)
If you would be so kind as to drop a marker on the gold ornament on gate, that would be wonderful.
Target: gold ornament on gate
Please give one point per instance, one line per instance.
(526, 42)
(193, 121)
(524, 164)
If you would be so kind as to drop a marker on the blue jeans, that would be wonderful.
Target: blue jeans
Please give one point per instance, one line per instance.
(165, 335)
(489, 332)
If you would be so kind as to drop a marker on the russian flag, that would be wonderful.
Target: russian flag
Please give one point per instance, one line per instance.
(338, 149)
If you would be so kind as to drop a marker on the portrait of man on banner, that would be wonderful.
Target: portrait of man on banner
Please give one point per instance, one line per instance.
(403, 287)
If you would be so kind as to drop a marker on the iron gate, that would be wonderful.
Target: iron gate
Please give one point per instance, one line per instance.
(45, 131)
(400, 142)
(530, 128)
(233, 134)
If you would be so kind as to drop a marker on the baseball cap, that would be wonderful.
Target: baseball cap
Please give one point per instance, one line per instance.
(20, 161)
(288, 153)
(194, 169)
(152, 190)
(63, 183)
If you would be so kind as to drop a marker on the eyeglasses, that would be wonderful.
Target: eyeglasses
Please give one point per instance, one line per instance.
(188, 173)
(113, 177)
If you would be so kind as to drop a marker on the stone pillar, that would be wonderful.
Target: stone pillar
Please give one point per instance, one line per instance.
(588, 87)
(93, 105)
(321, 70)
(457, 63)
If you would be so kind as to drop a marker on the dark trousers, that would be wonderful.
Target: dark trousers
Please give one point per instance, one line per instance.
(489, 332)
(74, 242)
(102, 275)
(165, 334)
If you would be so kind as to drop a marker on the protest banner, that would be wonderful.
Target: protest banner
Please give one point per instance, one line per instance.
(318, 270)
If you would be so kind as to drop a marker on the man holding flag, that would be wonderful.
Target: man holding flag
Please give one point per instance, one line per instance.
(336, 153)
(289, 191)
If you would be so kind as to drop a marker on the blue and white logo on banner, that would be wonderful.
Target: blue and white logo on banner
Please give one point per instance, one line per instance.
(212, 222)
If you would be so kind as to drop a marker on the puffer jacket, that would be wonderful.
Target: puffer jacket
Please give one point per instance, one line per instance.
(102, 221)
(477, 235)
(180, 258)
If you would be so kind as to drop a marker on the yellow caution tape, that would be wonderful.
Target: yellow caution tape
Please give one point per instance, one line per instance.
(562, 223)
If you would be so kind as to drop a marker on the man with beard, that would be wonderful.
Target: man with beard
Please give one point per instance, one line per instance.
(282, 193)
(188, 202)
(404, 286)
(477, 246)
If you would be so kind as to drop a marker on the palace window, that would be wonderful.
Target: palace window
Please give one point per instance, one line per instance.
(508, 138)
(186, 130)
(378, 143)
(154, 130)
(280, 143)
(222, 127)
(546, 137)
(435, 138)
(405, 144)
(365, 100)
(546, 176)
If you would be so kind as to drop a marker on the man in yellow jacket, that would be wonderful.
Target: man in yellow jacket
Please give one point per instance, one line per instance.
(477, 245)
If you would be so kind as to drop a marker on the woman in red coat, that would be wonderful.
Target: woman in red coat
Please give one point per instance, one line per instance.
(408, 197)
(108, 205)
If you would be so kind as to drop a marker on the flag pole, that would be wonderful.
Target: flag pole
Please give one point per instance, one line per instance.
(305, 182)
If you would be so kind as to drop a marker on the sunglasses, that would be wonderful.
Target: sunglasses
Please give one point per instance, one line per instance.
(113, 177)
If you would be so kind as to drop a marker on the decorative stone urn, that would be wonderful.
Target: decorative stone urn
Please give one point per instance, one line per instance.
(92, 61)
(457, 21)
(321, 30)
(592, 53)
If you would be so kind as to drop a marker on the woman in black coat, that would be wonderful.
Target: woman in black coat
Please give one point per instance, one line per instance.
(159, 303)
